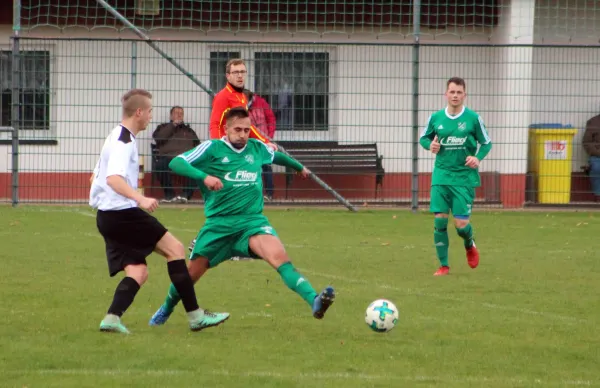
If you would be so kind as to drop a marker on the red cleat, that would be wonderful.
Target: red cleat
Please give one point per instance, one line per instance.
(442, 271)
(473, 256)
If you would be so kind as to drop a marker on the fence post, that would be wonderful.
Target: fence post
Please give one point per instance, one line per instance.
(15, 100)
(415, 106)
(133, 65)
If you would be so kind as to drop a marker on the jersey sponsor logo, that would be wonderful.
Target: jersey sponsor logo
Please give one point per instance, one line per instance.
(453, 141)
(241, 176)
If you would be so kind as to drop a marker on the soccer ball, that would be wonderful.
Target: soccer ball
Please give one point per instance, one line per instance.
(381, 315)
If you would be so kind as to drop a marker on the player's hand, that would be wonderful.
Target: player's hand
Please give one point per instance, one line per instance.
(435, 145)
(213, 183)
(91, 178)
(273, 146)
(305, 173)
(472, 162)
(148, 204)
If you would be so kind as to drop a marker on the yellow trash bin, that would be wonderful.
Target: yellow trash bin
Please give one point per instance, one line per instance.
(550, 161)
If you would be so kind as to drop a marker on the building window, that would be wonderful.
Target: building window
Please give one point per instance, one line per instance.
(34, 89)
(296, 86)
(147, 7)
(218, 60)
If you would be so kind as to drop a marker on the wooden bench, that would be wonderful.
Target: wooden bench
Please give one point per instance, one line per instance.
(330, 157)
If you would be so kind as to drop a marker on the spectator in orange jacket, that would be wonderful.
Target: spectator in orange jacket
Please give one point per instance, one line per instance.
(263, 119)
(231, 96)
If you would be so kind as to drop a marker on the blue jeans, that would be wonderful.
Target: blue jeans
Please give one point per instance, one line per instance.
(595, 174)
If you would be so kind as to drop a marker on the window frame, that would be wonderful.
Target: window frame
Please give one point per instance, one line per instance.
(47, 133)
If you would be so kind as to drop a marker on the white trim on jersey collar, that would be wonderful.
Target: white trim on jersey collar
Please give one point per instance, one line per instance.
(226, 141)
(454, 117)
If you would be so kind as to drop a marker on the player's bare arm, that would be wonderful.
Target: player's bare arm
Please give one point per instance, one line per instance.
(120, 186)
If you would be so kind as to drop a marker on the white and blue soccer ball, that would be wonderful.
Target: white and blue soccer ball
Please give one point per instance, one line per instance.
(381, 316)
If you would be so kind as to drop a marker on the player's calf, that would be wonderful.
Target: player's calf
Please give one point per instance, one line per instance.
(465, 231)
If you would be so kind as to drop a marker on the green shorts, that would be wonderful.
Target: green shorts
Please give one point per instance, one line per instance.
(458, 199)
(221, 238)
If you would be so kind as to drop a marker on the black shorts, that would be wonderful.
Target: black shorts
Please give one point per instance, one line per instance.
(130, 236)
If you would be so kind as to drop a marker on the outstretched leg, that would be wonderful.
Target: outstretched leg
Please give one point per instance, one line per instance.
(271, 249)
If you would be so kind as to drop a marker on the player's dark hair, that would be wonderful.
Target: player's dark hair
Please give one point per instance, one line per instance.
(238, 112)
(457, 81)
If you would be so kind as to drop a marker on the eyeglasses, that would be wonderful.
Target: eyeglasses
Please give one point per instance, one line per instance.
(238, 72)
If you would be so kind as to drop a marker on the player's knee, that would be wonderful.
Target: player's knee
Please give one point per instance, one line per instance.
(171, 248)
(460, 223)
(139, 273)
(276, 257)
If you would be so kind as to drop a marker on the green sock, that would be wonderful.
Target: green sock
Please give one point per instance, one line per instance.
(467, 234)
(172, 299)
(296, 282)
(440, 238)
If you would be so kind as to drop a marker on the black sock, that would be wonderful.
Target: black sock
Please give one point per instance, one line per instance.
(124, 295)
(180, 277)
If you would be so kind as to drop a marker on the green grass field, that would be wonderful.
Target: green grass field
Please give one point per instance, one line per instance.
(528, 316)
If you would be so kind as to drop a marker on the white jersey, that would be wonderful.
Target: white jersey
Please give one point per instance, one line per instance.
(119, 156)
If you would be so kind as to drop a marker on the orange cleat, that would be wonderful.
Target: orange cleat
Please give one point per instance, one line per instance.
(442, 271)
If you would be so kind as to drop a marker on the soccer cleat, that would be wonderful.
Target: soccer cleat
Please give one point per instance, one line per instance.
(207, 319)
(322, 302)
(442, 271)
(160, 317)
(109, 325)
(473, 256)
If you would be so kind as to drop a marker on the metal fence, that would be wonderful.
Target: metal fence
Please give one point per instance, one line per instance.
(341, 77)
(376, 96)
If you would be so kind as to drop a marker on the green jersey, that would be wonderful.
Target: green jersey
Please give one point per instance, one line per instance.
(239, 170)
(458, 137)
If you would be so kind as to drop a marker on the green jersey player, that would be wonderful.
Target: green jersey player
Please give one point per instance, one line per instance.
(229, 170)
(452, 134)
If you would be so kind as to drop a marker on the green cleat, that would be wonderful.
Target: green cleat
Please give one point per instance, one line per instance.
(203, 319)
(112, 324)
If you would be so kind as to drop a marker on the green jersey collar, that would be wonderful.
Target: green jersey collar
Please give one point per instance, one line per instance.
(224, 140)
(454, 117)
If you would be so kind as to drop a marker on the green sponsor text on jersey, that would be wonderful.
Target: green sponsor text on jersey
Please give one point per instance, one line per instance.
(458, 137)
(239, 170)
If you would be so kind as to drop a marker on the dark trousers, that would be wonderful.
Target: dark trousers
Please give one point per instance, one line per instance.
(268, 176)
(163, 174)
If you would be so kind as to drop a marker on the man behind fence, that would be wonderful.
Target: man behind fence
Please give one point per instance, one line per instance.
(229, 170)
(231, 96)
(452, 135)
